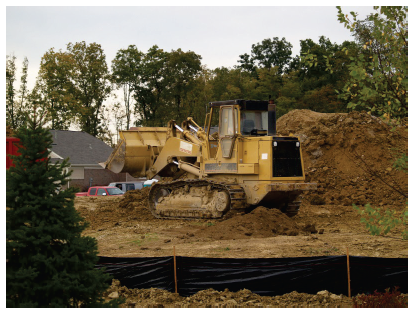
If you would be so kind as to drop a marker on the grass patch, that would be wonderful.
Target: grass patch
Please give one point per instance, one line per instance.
(329, 251)
(145, 238)
(203, 224)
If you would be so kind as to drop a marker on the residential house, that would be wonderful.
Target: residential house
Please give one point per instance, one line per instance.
(85, 152)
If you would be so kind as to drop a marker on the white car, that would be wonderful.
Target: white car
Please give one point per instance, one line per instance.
(150, 182)
(127, 186)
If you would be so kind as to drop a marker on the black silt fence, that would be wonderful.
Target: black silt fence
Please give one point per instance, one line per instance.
(140, 272)
(264, 276)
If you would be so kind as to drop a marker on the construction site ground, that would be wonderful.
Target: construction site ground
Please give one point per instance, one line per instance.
(351, 158)
(316, 231)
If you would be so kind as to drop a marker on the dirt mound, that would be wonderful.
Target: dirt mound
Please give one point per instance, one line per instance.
(350, 156)
(104, 212)
(210, 298)
(259, 223)
(135, 198)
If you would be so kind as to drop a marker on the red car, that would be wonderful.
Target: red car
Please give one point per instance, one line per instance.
(101, 191)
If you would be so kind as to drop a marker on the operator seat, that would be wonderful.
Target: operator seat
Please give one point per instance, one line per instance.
(248, 126)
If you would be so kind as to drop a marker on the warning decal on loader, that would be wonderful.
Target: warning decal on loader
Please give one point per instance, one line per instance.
(186, 147)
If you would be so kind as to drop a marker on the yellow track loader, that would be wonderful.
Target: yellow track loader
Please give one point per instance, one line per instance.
(238, 163)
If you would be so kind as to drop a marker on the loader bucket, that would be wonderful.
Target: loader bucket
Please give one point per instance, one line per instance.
(137, 150)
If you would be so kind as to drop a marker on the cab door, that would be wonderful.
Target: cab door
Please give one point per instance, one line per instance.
(228, 128)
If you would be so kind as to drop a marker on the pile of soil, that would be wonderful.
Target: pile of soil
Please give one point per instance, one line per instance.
(262, 222)
(135, 198)
(210, 298)
(104, 212)
(350, 156)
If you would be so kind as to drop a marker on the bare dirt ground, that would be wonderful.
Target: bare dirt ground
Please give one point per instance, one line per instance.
(350, 156)
(210, 298)
(317, 230)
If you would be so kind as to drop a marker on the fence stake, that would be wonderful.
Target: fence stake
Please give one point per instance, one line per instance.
(349, 275)
(175, 272)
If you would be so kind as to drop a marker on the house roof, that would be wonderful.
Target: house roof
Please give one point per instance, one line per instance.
(80, 147)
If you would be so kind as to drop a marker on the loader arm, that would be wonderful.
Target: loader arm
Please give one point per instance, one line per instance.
(174, 149)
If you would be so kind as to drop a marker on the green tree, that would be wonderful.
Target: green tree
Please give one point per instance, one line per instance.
(23, 91)
(73, 85)
(10, 90)
(164, 89)
(126, 74)
(181, 70)
(15, 100)
(90, 83)
(267, 54)
(322, 99)
(200, 95)
(150, 93)
(54, 89)
(269, 83)
(319, 72)
(289, 95)
(49, 262)
(233, 83)
(379, 74)
(379, 82)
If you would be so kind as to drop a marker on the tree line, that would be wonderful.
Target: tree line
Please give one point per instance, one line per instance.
(74, 85)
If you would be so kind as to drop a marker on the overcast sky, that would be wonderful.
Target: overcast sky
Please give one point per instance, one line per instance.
(218, 33)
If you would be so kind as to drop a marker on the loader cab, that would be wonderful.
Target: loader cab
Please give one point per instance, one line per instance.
(253, 122)
(230, 119)
(241, 117)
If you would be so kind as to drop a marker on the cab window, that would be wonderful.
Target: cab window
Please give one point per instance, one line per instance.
(236, 120)
(227, 122)
(92, 191)
(253, 120)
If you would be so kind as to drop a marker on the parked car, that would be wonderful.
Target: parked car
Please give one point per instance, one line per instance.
(150, 182)
(101, 191)
(127, 186)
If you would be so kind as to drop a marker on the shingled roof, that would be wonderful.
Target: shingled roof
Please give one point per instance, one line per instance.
(81, 148)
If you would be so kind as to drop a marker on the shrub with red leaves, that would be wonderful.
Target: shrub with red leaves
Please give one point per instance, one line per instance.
(385, 299)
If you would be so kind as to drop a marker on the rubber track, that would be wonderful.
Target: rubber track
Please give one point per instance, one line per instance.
(235, 191)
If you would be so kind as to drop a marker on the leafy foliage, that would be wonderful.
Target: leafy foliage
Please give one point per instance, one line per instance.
(54, 89)
(49, 262)
(401, 163)
(379, 75)
(379, 221)
(126, 74)
(386, 299)
(267, 54)
(368, 73)
(377, 81)
(167, 80)
(16, 100)
(90, 84)
(73, 85)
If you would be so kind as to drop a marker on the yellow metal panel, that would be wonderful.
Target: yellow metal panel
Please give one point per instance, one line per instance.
(248, 168)
(265, 159)
(250, 152)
